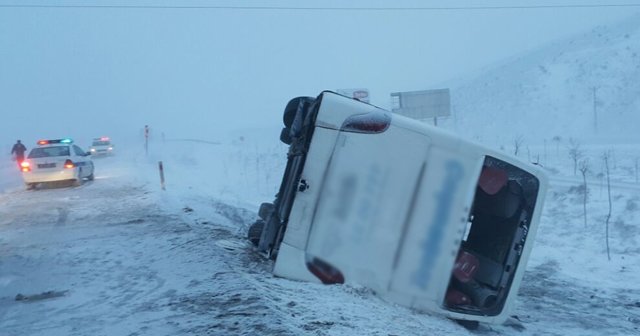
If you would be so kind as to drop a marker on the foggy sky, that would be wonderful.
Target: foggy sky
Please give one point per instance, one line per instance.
(86, 72)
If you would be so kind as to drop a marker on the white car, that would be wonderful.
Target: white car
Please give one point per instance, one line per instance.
(425, 219)
(56, 160)
(102, 146)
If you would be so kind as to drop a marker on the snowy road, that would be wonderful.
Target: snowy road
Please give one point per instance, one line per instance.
(118, 257)
(106, 249)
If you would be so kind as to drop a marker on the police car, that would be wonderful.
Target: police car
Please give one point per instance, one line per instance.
(101, 146)
(422, 217)
(56, 160)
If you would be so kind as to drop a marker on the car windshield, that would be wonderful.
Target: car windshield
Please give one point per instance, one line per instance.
(41, 152)
(101, 143)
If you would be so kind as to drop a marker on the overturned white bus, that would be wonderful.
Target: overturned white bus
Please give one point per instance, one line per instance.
(425, 219)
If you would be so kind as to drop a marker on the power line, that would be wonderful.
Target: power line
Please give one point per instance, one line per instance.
(298, 8)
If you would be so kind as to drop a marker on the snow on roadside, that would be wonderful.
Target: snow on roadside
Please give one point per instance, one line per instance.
(128, 258)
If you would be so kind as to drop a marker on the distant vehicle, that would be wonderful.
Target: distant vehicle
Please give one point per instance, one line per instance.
(56, 160)
(102, 146)
(422, 217)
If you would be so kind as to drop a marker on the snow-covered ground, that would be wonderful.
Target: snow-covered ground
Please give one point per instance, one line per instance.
(119, 256)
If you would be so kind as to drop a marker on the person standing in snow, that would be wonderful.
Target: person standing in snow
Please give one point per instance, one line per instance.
(18, 150)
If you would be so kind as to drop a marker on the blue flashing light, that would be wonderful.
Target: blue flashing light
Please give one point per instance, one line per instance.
(65, 141)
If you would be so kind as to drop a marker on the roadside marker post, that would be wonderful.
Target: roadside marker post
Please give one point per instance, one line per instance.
(161, 168)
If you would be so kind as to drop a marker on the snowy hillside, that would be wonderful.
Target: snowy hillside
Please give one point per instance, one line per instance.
(550, 92)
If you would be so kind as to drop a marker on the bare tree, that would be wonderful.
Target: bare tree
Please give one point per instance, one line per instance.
(584, 168)
(606, 156)
(517, 143)
(576, 153)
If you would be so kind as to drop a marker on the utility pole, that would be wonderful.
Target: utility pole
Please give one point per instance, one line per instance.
(146, 140)
(595, 110)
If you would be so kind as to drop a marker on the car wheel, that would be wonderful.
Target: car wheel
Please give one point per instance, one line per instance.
(91, 177)
(78, 181)
(30, 186)
(255, 231)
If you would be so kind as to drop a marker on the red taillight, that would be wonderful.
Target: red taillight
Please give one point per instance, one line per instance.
(69, 164)
(324, 271)
(372, 122)
(25, 166)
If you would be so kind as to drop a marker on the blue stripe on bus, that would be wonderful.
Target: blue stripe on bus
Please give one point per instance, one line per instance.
(433, 240)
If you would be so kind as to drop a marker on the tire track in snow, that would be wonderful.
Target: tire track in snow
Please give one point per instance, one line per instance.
(69, 242)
